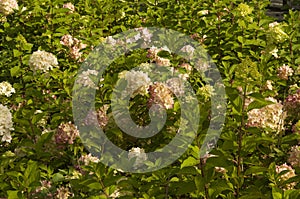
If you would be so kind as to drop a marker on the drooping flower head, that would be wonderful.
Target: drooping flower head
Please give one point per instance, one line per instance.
(271, 116)
(6, 124)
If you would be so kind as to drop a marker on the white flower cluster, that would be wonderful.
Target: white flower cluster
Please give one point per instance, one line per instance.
(294, 158)
(6, 124)
(269, 85)
(276, 32)
(176, 85)
(203, 12)
(189, 50)
(286, 176)
(85, 80)
(8, 6)
(285, 71)
(86, 159)
(137, 82)
(42, 60)
(271, 116)
(274, 52)
(6, 89)
(74, 45)
(139, 154)
(143, 34)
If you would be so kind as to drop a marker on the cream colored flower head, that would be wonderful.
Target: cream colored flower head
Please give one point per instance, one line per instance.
(6, 124)
(8, 6)
(286, 176)
(137, 82)
(6, 89)
(42, 61)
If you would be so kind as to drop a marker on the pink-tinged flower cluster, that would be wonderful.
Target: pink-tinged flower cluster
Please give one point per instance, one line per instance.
(100, 114)
(284, 72)
(6, 124)
(69, 6)
(292, 104)
(63, 193)
(153, 54)
(294, 158)
(8, 6)
(160, 94)
(66, 133)
(87, 159)
(286, 176)
(271, 116)
(74, 45)
(44, 188)
(187, 67)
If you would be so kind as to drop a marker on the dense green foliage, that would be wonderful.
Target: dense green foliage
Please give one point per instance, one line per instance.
(257, 58)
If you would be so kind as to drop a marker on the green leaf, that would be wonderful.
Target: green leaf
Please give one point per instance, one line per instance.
(13, 194)
(95, 185)
(240, 39)
(190, 161)
(57, 177)
(15, 71)
(200, 183)
(32, 173)
(255, 170)
(17, 53)
(276, 193)
(257, 104)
